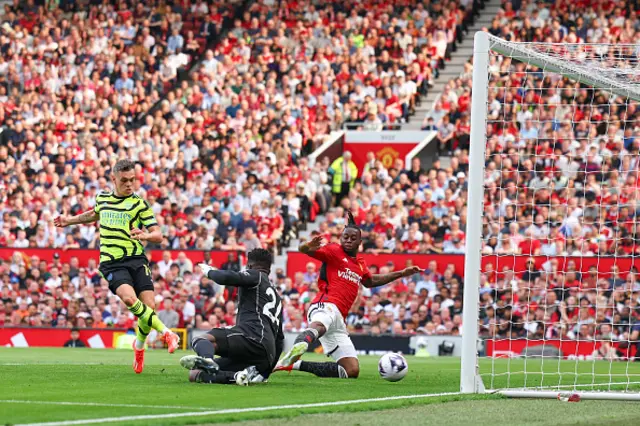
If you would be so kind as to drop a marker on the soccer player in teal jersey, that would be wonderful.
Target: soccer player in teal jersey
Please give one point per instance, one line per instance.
(123, 263)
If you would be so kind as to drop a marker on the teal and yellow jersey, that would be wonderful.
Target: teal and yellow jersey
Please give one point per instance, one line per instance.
(118, 216)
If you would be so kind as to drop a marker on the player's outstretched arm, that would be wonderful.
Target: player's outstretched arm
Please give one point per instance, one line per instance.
(153, 235)
(378, 280)
(86, 217)
(247, 278)
(310, 247)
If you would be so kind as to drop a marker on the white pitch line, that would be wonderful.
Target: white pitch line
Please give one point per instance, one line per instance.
(235, 410)
(100, 404)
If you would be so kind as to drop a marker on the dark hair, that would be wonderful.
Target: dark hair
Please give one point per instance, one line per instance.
(260, 256)
(351, 222)
(124, 166)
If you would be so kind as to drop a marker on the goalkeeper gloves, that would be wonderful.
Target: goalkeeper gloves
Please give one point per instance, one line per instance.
(206, 269)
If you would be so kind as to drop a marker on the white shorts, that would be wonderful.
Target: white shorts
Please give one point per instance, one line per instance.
(336, 342)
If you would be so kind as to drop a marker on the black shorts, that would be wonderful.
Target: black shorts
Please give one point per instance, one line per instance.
(238, 352)
(133, 271)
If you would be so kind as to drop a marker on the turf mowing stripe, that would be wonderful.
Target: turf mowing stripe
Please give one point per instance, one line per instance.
(236, 410)
(100, 404)
(39, 364)
(54, 363)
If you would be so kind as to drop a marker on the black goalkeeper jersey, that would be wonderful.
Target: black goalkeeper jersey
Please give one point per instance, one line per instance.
(259, 306)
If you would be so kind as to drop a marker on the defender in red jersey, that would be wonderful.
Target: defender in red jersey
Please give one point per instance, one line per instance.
(340, 276)
(343, 272)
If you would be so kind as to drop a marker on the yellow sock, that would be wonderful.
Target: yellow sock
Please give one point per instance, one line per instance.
(147, 315)
(142, 333)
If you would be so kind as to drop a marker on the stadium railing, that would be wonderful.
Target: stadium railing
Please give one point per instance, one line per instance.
(357, 125)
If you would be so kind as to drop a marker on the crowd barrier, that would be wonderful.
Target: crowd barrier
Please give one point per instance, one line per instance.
(296, 261)
(109, 338)
(567, 349)
(95, 338)
(218, 257)
(419, 345)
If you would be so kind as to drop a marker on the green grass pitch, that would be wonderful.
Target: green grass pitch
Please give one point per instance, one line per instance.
(42, 386)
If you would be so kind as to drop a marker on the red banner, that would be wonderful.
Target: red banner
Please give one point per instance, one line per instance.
(23, 337)
(297, 262)
(387, 146)
(388, 154)
(571, 349)
(83, 255)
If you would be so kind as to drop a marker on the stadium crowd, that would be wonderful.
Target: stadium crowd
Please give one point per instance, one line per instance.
(561, 176)
(223, 159)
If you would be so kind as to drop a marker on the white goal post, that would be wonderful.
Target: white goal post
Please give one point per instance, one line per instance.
(550, 289)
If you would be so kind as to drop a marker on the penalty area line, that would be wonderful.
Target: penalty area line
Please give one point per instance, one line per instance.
(237, 410)
(101, 404)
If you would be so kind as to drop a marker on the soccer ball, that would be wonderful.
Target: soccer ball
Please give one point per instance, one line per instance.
(393, 367)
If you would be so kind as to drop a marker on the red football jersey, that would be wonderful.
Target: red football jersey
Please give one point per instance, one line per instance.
(340, 277)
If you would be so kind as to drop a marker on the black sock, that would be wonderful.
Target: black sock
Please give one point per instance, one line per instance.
(309, 335)
(324, 369)
(221, 377)
(204, 348)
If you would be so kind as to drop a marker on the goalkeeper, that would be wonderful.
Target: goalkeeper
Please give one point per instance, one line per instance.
(249, 351)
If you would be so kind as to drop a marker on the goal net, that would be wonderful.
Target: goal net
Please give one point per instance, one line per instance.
(552, 288)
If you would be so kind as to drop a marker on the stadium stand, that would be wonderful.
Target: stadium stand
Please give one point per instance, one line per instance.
(262, 96)
(86, 86)
(572, 165)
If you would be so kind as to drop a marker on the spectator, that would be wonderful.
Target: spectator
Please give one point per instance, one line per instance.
(184, 263)
(344, 172)
(165, 264)
(249, 240)
(232, 263)
(74, 341)
(188, 308)
(168, 315)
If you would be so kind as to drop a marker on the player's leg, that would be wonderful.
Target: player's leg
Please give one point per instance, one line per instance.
(321, 317)
(142, 332)
(301, 344)
(147, 297)
(238, 354)
(225, 375)
(315, 330)
(121, 284)
(259, 360)
(127, 294)
(336, 344)
(143, 286)
(206, 346)
(345, 367)
(259, 372)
